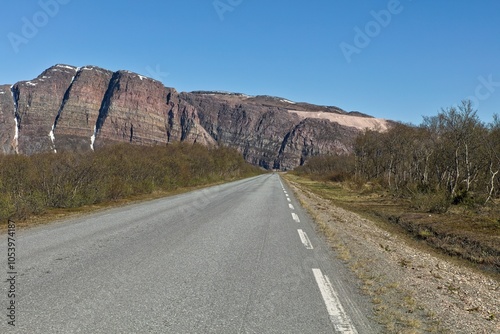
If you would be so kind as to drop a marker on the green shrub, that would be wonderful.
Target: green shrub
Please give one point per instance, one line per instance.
(7, 208)
(437, 202)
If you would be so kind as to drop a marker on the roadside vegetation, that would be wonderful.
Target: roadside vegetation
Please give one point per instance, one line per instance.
(439, 182)
(34, 185)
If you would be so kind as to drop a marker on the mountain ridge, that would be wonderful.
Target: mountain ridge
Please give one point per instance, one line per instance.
(84, 108)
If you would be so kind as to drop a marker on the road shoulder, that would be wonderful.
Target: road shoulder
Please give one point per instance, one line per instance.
(413, 291)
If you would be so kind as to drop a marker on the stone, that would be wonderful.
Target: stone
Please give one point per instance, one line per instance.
(68, 108)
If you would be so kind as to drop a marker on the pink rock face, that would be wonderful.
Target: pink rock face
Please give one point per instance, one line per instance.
(134, 109)
(265, 132)
(80, 107)
(70, 108)
(38, 102)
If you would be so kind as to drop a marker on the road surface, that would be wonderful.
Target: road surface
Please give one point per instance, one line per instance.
(242, 257)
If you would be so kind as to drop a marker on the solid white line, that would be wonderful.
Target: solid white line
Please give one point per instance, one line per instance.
(295, 217)
(305, 239)
(338, 317)
(291, 206)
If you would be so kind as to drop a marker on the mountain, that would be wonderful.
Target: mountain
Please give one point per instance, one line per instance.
(84, 108)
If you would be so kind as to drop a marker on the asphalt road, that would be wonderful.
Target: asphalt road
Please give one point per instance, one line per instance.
(241, 257)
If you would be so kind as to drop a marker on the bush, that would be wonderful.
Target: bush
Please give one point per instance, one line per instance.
(460, 197)
(7, 208)
(328, 168)
(31, 185)
(438, 202)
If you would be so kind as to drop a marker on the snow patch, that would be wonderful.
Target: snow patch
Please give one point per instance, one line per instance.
(51, 135)
(65, 66)
(16, 128)
(90, 68)
(16, 135)
(142, 77)
(73, 78)
(30, 83)
(287, 101)
(92, 139)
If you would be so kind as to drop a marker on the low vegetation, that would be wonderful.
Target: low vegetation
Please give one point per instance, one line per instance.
(32, 185)
(439, 181)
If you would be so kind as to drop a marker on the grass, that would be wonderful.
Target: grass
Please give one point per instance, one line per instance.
(395, 309)
(463, 233)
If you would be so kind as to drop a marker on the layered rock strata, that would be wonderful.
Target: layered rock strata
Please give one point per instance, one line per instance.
(84, 108)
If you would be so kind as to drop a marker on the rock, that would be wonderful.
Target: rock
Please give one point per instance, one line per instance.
(267, 134)
(7, 121)
(38, 102)
(79, 109)
(70, 108)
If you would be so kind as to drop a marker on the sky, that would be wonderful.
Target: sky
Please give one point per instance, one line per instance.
(392, 59)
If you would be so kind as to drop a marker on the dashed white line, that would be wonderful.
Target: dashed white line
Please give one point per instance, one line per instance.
(295, 217)
(291, 206)
(288, 199)
(305, 239)
(338, 317)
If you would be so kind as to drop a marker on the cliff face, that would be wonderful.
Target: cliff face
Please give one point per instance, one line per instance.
(36, 105)
(70, 108)
(7, 121)
(79, 110)
(266, 132)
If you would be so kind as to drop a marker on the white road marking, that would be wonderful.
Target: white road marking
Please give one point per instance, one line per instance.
(295, 217)
(288, 199)
(291, 206)
(305, 239)
(338, 317)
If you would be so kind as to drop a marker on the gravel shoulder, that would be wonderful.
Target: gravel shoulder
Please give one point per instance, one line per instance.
(412, 290)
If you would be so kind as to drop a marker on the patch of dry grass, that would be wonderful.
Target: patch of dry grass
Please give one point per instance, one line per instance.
(395, 308)
(465, 233)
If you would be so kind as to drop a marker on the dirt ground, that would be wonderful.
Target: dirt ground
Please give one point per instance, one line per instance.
(413, 290)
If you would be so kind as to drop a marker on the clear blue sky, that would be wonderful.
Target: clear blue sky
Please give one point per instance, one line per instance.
(420, 56)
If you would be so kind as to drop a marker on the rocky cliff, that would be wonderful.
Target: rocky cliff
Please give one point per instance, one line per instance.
(73, 108)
